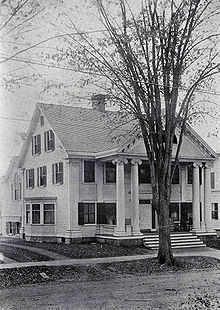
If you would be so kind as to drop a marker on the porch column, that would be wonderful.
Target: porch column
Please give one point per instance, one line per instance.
(72, 177)
(120, 194)
(202, 193)
(196, 197)
(207, 197)
(135, 197)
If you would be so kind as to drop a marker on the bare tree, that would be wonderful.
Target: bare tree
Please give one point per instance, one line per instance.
(152, 64)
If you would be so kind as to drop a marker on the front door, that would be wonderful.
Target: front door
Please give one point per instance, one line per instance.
(145, 215)
(186, 216)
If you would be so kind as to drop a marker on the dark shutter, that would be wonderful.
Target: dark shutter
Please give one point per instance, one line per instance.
(52, 141)
(45, 175)
(38, 144)
(80, 213)
(101, 213)
(32, 143)
(45, 141)
(33, 177)
(38, 176)
(61, 173)
(27, 179)
(53, 179)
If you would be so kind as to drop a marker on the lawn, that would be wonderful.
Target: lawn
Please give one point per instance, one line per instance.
(84, 250)
(98, 272)
(21, 255)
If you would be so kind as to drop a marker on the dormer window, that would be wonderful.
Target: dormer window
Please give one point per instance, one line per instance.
(42, 120)
(36, 145)
(49, 141)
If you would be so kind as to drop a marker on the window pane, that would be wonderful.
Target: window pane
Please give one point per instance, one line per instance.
(175, 179)
(189, 175)
(144, 173)
(212, 180)
(89, 171)
(110, 173)
(49, 217)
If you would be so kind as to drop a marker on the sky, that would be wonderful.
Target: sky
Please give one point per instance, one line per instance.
(17, 102)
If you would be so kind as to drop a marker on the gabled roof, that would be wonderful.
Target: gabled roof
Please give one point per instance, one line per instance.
(83, 130)
(12, 165)
(89, 132)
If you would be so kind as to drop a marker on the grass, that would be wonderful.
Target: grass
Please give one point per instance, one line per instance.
(22, 255)
(84, 250)
(98, 272)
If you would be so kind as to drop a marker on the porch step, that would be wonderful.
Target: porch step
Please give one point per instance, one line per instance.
(182, 240)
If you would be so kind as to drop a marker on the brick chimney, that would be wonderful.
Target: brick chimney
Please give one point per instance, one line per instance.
(98, 102)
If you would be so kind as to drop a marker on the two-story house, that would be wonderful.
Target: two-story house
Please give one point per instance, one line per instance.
(81, 179)
(11, 199)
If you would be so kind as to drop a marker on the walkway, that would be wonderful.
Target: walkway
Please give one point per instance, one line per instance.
(90, 261)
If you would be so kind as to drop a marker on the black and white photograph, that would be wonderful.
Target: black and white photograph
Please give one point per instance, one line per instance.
(109, 154)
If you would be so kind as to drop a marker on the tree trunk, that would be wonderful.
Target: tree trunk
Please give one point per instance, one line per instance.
(165, 255)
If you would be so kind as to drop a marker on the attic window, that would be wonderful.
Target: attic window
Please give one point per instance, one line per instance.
(49, 141)
(42, 120)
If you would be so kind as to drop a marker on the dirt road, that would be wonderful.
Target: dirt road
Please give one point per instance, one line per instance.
(167, 291)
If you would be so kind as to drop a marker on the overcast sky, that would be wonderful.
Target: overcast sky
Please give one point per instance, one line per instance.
(17, 104)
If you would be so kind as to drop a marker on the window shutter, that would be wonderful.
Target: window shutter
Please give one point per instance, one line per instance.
(39, 143)
(101, 213)
(26, 178)
(33, 177)
(45, 141)
(52, 140)
(38, 177)
(32, 144)
(45, 174)
(80, 213)
(61, 173)
(53, 179)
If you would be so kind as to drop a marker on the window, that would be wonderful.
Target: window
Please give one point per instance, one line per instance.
(110, 173)
(49, 140)
(28, 214)
(89, 171)
(189, 175)
(175, 179)
(57, 173)
(35, 213)
(42, 120)
(36, 145)
(212, 180)
(42, 176)
(30, 178)
(86, 213)
(17, 191)
(49, 213)
(144, 173)
(215, 211)
(106, 213)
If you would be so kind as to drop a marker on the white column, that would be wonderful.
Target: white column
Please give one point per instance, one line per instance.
(120, 194)
(202, 200)
(207, 197)
(196, 197)
(73, 229)
(135, 197)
